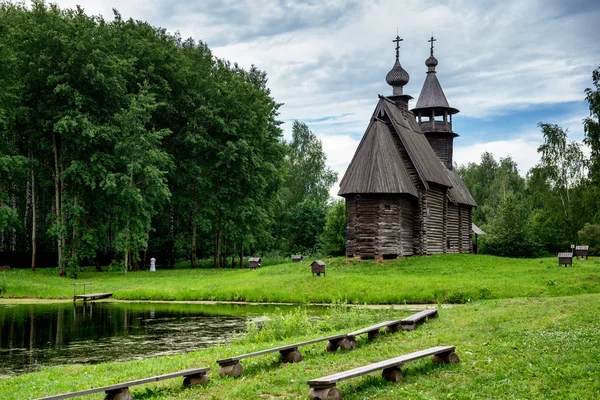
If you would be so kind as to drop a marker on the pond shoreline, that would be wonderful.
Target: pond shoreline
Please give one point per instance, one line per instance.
(415, 307)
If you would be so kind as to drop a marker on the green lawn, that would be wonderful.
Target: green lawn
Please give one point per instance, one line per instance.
(435, 279)
(522, 348)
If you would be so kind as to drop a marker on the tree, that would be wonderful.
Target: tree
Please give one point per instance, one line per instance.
(490, 182)
(305, 189)
(333, 238)
(562, 165)
(591, 125)
(308, 176)
(590, 235)
(509, 235)
(140, 184)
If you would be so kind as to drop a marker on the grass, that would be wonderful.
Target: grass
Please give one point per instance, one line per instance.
(435, 279)
(521, 348)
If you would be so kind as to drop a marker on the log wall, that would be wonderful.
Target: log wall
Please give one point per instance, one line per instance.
(466, 243)
(408, 206)
(379, 225)
(442, 147)
(436, 224)
(350, 224)
(453, 239)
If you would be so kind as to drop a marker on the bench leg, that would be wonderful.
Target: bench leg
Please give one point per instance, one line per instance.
(445, 358)
(343, 344)
(197, 379)
(393, 374)
(393, 328)
(234, 370)
(290, 356)
(119, 394)
(409, 326)
(374, 335)
(325, 394)
(351, 343)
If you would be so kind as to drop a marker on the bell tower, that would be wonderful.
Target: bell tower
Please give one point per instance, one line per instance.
(434, 114)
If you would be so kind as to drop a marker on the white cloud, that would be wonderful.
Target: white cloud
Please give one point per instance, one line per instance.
(327, 60)
(522, 150)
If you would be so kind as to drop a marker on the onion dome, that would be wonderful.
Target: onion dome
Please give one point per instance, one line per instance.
(431, 63)
(397, 77)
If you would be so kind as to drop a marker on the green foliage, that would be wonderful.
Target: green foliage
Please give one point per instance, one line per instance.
(302, 206)
(304, 226)
(590, 235)
(333, 238)
(130, 130)
(285, 326)
(490, 182)
(510, 233)
(3, 284)
(591, 125)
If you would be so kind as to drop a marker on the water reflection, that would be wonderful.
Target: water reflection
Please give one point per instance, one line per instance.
(53, 334)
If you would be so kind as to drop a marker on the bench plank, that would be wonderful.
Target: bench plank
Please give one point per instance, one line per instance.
(329, 380)
(421, 315)
(231, 360)
(110, 388)
(374, 327)
(410, 323)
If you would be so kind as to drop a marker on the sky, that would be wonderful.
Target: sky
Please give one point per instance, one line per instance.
(506, 65)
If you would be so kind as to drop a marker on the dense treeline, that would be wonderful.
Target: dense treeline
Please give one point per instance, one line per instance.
(120, 139)
(558, 202)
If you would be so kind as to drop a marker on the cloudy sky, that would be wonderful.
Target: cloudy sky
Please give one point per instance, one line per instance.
(506, 65)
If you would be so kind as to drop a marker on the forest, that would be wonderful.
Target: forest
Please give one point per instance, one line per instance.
(120, 141)
(557, 203)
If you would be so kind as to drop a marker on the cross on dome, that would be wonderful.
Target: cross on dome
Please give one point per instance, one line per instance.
(431, 41)
(397, 41)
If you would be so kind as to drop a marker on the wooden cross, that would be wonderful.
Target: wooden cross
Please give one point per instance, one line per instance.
(397, 41)
(431, 41)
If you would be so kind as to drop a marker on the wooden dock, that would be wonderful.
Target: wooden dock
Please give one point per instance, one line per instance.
(95, 296)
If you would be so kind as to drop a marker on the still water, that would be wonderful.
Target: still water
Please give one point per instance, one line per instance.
(34, 335)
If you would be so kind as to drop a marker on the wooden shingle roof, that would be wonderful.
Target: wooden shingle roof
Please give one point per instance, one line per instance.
(459, 193)
(377, 166)
(427, 163)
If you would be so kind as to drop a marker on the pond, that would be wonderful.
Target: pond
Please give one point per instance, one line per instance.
(35, 335)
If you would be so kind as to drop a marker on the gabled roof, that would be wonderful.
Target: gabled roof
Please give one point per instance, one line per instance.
(426, 162)
(459, 193)
(377, 166)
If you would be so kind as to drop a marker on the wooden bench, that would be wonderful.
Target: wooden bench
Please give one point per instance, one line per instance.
(565, 259)
(324, 388)
(374, 332)
(289, 353)
(410, 323)
(120, 391)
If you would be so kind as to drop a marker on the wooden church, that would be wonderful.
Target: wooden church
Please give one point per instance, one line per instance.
(403, 196)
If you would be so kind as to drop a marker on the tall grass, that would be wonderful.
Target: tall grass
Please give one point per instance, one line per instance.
(282, 326)
(437, 279)
(536, 348)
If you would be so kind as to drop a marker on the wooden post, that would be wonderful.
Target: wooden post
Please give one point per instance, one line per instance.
(193, 380)
(290, 355)
(234, 370)
(393, 374)
(118, 394)
(332, 393)
(445, 358)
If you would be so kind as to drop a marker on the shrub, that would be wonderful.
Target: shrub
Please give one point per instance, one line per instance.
(590, 235)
